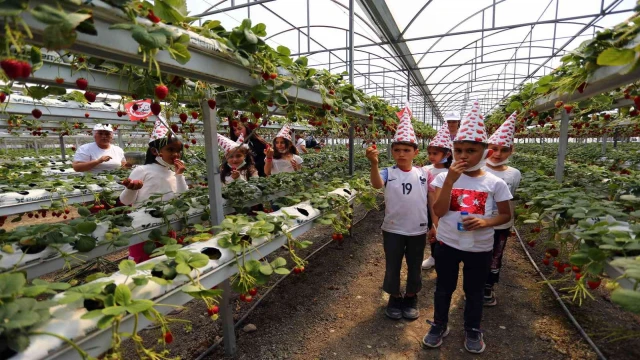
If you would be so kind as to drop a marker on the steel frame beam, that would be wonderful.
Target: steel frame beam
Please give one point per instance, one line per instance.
(231, 8)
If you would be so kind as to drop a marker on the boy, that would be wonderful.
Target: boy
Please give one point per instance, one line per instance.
(406, 219)
(466, 187)
(501, 144)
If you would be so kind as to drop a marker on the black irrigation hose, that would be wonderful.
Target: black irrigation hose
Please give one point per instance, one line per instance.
(564, 307)
(239, 322)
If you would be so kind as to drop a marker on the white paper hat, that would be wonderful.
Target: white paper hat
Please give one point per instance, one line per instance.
(159, 130)
(452, 116)
(106, 127)
(285, 132)
(228, 145)
(405, 131)
(504, 135)
(442, 139)
(472, 126)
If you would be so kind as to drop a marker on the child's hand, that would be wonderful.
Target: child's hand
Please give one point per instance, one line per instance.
(268, 152)
(235, 174)
(455, 170)
(132, 184)
(471, 223)
(295, 165)
(372, 155)
(432, 235)
(180, 168)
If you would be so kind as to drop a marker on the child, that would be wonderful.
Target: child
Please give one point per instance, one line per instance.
(285, 157)
(162, 173)
(439, 151)
(238, 165)
(406, 219)
(501, 143)
(469, 238)
(257, 145)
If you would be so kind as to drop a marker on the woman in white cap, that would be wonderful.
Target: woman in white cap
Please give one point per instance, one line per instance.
(100, 155)
(453, 122)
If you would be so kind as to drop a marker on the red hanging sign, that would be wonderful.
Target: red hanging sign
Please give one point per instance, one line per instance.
(142, 111)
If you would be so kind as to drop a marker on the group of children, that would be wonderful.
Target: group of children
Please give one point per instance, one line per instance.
(461, 205)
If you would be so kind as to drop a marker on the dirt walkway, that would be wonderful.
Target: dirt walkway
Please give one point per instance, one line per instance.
(335, 311)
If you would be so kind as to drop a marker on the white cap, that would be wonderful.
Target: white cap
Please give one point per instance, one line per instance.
(452, 116)
(106, 127)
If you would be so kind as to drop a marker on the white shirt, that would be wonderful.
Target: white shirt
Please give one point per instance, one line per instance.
(512, 177)
(477, 196)
(91, 151)
(282, 165)
(299, 144)
(157, 179)
(243, 177)
(405, 194)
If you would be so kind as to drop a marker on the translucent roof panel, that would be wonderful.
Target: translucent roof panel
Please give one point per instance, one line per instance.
(452, 51)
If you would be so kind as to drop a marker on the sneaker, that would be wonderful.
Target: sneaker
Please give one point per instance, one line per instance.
(434, 337)
(410, 309)
(394, 308)
(429, 263)
(490, 297)
(473, 341)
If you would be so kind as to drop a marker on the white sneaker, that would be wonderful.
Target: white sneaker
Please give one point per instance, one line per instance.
(429, 263)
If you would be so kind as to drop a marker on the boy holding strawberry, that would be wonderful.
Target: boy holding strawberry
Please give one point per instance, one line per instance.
(406, 219)
(465, 200)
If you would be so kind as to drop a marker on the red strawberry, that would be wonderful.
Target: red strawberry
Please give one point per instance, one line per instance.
(578, 276)
(193, 141)
(174, 128)
(168, 337)
(257, 115)
(3, 97)
(186, 146)
(545, 261)
(135, 107)
(156, 108)
(11, 67)
(532, 243)
(558, 104)
(59, 80)
(183, 117)
(194, 114)
(248, 298)
(298, 269)
(568, 108)
(273, 76)
(86, 115)
(82, 83)
(607, 116)
(213, 310)
(581, 87)
(90, 96)
(120, 113)
(253, 292)
(593, 284)
(36, 113)
(265, 76)
(243, 297)
(211, 103)
(73, 148)
(374, 146)
(332, 92)
(161, 91)
(152, 17)
(172, 234)
(575, 269)
(143, 120)
(25, 69)
(553, 252)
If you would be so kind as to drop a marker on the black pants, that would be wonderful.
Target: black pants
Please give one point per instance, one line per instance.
(474, 275)
(397, 247)
(499, 242)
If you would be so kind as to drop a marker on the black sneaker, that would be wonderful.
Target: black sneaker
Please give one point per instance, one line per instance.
(434, 337)
(489, 297)
(474, 341)
(410, 309)
(394, 308)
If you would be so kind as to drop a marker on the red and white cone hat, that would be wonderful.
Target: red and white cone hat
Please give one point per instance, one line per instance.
(159, 130)
(285, 132)
(442, 139)
(405, 132)
(504, 135)
(472, 126)
(228, 145)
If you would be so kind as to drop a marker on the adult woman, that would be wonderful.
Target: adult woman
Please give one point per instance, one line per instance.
(256, 144)
(99, 155)
(453, 123)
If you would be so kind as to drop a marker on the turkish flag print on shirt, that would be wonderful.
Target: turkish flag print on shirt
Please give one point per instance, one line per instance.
(471, 201)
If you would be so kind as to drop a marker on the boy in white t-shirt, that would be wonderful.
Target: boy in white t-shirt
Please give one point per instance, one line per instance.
(406, 219)
(501, 144)
(466, 238)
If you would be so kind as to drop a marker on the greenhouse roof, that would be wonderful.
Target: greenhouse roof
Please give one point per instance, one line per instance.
(450, 50)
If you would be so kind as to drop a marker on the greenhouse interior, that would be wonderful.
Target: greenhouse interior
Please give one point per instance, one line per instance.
(217, 179)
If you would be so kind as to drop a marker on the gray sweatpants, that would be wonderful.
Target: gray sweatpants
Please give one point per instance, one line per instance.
(396, 247)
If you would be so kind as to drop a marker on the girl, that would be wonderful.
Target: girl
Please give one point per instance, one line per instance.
(239, 165)
(501, 143)
(257, 145)
(162, 173)
(439, 151)
(285, 158)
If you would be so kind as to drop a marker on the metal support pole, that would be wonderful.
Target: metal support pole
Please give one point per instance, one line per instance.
(63, 151)
(120, 141)
(615, 138)
(562, 146)
(604, 144)
(35, 146)
(210, 119)
(351, 56)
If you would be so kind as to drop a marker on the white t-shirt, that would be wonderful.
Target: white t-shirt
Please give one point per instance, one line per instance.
(477, 196)
(91, 151)
(282, 165)
(512, 177)
(405, 194)
(157, 179)
(300, 143)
